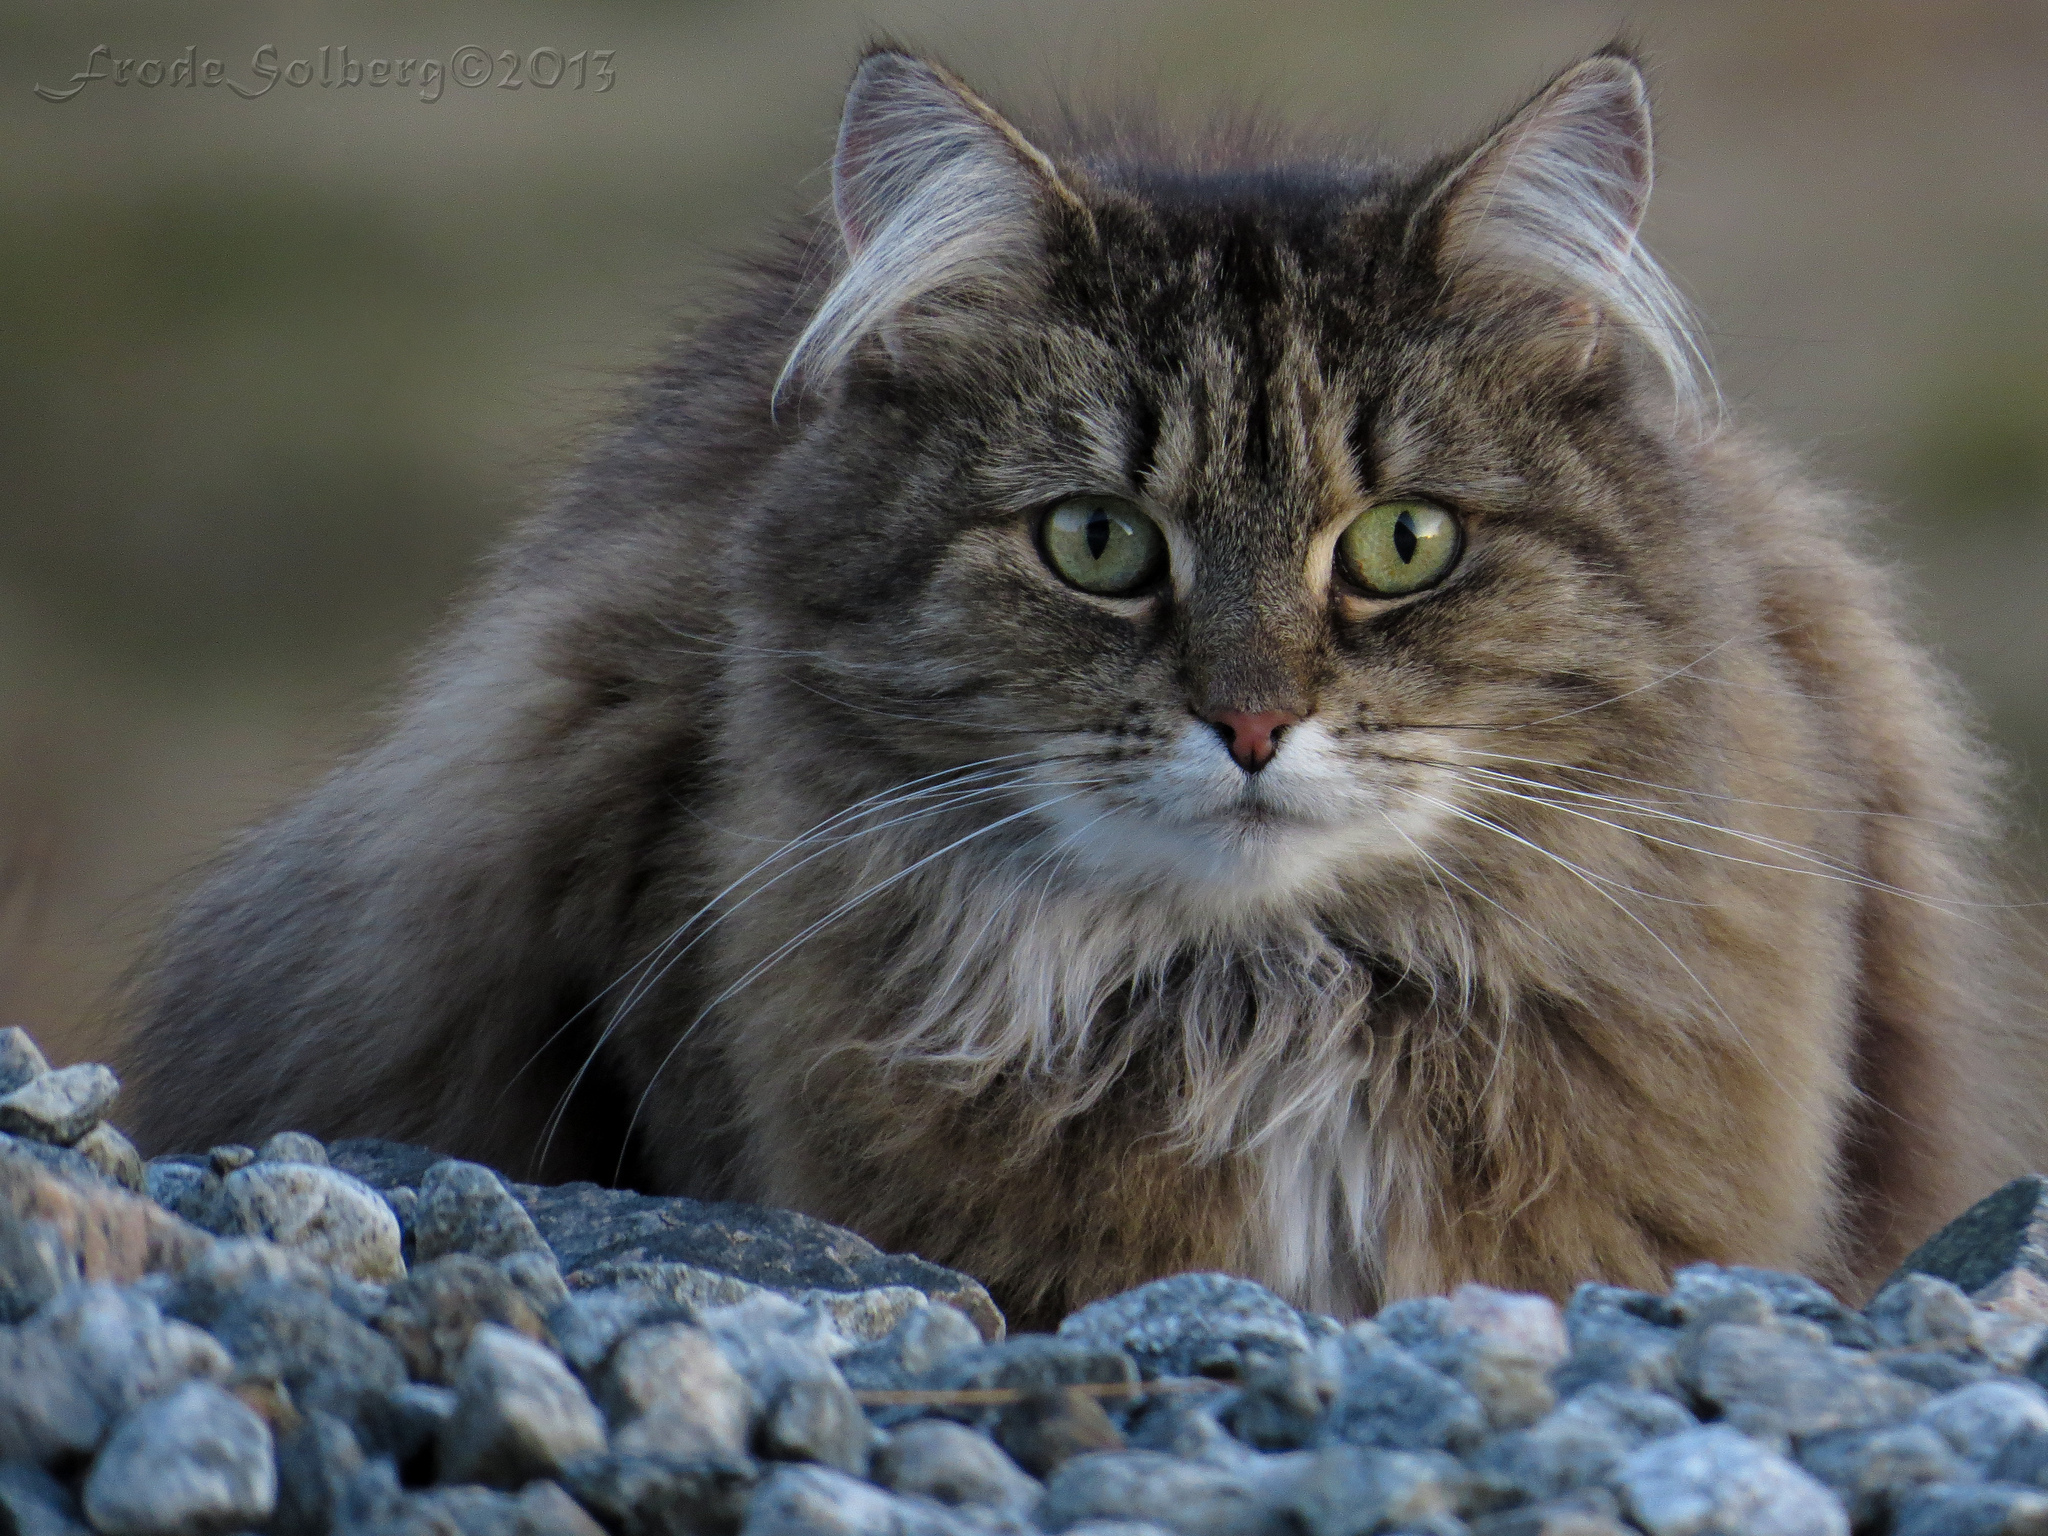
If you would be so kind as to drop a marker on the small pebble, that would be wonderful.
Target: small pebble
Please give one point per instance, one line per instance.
(61, 1106)
(949, 1463)
(519, 1414)
(320, 1212)
(1718, 1482)
(20, 1059)
(293, 1147)
(193, 1463)
(226, 1159)
(114, 1155)
(670, 1391)
(465, 1208)
(1045, 1429)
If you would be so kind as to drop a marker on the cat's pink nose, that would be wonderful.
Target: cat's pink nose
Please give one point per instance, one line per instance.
(1252, 739)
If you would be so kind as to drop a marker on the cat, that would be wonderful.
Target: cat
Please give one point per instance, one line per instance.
(1133, 706)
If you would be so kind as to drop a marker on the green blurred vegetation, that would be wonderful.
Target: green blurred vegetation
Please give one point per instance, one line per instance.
(274, 373)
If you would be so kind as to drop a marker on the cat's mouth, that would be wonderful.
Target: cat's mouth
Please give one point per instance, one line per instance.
(1194, 818)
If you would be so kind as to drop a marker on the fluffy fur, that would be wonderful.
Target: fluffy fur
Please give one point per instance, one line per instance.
(778, 825)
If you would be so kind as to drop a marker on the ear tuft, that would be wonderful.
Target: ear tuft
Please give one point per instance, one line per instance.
(931, 189)
(1557, 196)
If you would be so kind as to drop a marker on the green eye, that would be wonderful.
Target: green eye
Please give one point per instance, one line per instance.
(1399, 547)
(1104, 545)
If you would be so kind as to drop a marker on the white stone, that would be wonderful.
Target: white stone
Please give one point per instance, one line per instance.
(1718, 1482)
(320, 1213)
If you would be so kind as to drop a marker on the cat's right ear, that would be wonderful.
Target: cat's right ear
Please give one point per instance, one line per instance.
(933, 193)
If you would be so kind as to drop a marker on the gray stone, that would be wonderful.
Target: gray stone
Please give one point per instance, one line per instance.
(1971, 1509)
(519, 1413)
(1805, 1388)
(1718, 1482)
(19, 1059)
(1511, 1384)
(1389, 1399)
(466, 1208)
(317, 1466)
(122, 1348)
(816, 1419)
(217, 1278)
(184, 1188)
(60, 1106)
(546, 1510)
(1591, 1512)
(2004, 1231)
(383, 1164)
(1637, 1358)
(1347, 1491)
(35, 1264)
(293, 1147)
(322, 1213)
(540, 1509)
(1046, 1429)
(114, 1155)
(1190, 1325)
(1192, 1498)
(229, 1157)
(1980, 1422)
(1918, 1309)
(33, 1503)
(912, 1349)
(417, 1412)
(431, 1313)
(779, 1250)
(658, 1496)
(1594, 1305)
(951, 1464)
(683, 1285)
(1189, 1428)
(323, 1357)
(1636, 1416)
(1561, 1455)
(537, 1277)
(1526, 1325)
(1281, 1400)
(194, 1463)
(771, 1341)
(66, 1162)
(1415, 1320)
(1031, 1362)
(816, 1501)
(1702, 1293)
(1938, 1370)
(669, 1391)
(48, 1413)
(1870, 1469)
(589, 1323)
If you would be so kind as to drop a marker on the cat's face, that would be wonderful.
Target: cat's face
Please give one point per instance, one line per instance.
(1267, 404)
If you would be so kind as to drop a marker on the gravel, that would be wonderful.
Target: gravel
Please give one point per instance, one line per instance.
(367, 1337)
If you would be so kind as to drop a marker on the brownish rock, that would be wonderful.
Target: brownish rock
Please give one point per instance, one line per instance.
(108, 1233)
(433, 1311)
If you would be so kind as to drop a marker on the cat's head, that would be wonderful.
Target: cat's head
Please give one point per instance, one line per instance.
(1231, 503)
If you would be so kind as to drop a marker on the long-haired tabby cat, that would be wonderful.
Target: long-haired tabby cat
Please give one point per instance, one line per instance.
(1135, 707)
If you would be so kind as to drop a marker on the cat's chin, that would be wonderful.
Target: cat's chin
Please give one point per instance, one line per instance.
(1197, 828)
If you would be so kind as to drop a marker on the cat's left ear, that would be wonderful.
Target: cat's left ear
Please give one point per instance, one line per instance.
(1553, 200)
(932, 191)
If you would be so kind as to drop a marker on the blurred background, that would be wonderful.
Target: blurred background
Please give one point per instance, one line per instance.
(274, 372)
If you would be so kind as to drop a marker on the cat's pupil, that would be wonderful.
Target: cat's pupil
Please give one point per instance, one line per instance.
(1404, 537)
(1098, 533)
